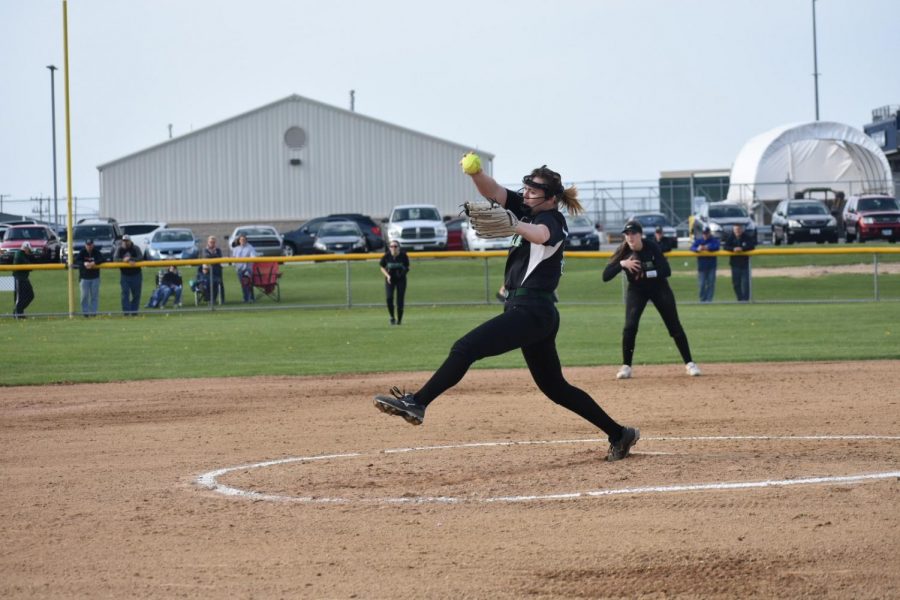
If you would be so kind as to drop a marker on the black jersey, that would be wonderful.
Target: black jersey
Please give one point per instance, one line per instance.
(395, 266)
(654, 267)
(534, 266)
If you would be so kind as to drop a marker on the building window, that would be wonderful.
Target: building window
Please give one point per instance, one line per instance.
(295, 138)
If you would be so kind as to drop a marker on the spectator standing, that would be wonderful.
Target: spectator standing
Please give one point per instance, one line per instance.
(130, 278)
(665, 244)
(245, 249)
(211, 250)
(88, 262)
(24, 292)
(738, 242)
(706, 265)
(395, 266)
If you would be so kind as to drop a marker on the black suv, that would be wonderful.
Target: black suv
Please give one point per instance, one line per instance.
(803, 221)
(300, 241)
(105, 233)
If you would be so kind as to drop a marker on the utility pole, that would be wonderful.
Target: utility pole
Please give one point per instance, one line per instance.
(352, 100)
(815, 60)
(53, 122)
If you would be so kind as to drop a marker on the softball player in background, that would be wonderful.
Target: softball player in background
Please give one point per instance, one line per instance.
(647, 271)
(394, 267)
(529, 319)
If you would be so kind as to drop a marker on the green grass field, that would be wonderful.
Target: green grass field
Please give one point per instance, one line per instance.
(312, 331)
(323, 341)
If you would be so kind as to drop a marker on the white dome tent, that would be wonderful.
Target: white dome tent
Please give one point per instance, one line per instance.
(794, 158)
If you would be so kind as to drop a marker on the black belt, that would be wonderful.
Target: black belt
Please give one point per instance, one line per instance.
(531, 292)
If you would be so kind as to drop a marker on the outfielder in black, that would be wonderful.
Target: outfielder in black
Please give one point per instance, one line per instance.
(529, 319)
(24, 292)
(647, 270)
(395, 266)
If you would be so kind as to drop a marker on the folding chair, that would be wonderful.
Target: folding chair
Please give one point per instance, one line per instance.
(265, 279)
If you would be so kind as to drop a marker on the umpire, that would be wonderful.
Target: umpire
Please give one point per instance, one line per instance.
(529, 320)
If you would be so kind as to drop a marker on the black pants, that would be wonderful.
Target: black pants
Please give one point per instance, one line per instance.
(24, 296)
(664, 300)
(532, 328)
(389, 288)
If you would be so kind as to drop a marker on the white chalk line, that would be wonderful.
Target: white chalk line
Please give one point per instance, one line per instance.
(209, 480)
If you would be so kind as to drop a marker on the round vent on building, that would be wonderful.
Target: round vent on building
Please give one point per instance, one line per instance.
(295, 138)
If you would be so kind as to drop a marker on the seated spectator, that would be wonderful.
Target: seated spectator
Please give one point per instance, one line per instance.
(201, 284)
(170, 283)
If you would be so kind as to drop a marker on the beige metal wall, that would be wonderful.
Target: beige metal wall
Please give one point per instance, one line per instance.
(239, 170)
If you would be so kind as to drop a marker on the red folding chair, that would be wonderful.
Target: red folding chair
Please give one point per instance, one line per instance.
(265, 279)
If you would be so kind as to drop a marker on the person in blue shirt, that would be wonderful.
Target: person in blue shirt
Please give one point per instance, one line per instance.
(706, 265)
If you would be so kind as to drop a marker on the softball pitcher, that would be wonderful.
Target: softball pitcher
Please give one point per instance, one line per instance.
(529, 320)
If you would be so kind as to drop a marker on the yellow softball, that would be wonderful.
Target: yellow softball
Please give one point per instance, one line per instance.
(471, 163)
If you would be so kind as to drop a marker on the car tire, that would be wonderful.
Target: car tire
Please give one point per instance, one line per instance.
(848, 237)
(787, 239)
(289, 249)
(775, 239)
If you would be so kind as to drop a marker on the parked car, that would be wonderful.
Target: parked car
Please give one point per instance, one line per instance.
(417, 227)
(105, 233)
(582, 233)
(141, 232)
(871, 217)
(340, 237)
(720, 217)
(172, 244)
(45, 245)
(455, 233)
(302, 240)
(651, 220)
(264, 238)
(472, 242)
(803, 221)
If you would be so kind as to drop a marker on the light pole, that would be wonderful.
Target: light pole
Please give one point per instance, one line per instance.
(815, 60)
(53, 125)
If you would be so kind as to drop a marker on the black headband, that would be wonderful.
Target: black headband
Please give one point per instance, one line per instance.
(552, 189)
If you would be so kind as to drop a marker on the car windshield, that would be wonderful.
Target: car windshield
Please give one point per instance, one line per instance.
(807, 209)
(255, 232)
(172, 235)
(416, 213)
(92, 232)
(652, 220)
(580, 221)
(725, 211)
(26, 233)
(339, 229)
(878, 204)
(139, 229)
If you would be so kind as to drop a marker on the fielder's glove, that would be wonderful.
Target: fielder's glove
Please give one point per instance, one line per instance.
(490, 220)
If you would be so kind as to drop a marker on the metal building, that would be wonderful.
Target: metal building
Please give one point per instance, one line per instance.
(287, 161)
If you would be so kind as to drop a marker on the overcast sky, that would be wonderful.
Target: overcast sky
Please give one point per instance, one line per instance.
(603, 89)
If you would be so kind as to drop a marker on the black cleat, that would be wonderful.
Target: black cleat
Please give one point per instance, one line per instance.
(621, 449)
(401, 404)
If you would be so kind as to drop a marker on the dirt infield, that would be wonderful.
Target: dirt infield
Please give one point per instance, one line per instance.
(102, 491)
